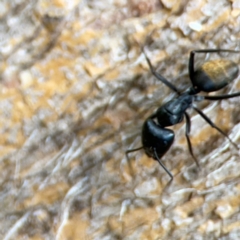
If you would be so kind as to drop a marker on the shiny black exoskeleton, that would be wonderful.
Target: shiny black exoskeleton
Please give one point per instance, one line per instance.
(209, 77)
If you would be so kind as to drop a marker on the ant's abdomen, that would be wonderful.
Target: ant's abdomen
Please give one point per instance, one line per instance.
(214, 75)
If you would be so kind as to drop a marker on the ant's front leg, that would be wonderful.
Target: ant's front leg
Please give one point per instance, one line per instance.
(159, 76)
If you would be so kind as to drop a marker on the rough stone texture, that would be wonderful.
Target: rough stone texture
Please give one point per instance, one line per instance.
(75, 90)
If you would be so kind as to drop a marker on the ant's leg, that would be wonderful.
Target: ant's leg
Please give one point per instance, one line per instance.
(192, 54)
(162, 165)
(159, 76)
(220, 97)
(188, 129)
(208, 120)
(128, 160)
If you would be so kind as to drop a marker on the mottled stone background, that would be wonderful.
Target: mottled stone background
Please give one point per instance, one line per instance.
(75, 90)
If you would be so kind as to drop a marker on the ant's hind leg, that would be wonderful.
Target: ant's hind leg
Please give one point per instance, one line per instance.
(209, 121)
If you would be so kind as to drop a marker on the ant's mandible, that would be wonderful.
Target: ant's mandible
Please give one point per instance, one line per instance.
(211, 76)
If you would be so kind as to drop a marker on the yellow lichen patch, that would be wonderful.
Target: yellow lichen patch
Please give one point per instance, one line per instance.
(3, 66)
(52, 87)
(210, 226)
(233, 200)
(187, 208)
(47, 195)
(46, 6)
(54, 74)
(16, 112)
(4, 141)
(58, 3)
(209, 207)
(202, 135)
(14, 41)
(223, 119)
(93, 70)
(219, 19)
(110, 166)
(194, 15)
(35, 237)
(143, 32)
(227, 207)
(140, 36)
(75, 27)
(103, 121)
(111, 75)
(134, 218)
(110, 199)
(74, 228)
(115, 225)
(116, 117)
(152, 233)
(6, 149)
(174, 5)
(83, 92)
(20, 110)
(74, 40)
(225, 211)
(138, 69)
(43, 4)
(231, 227)
(69, 106)
(147, 161)
(18, 139)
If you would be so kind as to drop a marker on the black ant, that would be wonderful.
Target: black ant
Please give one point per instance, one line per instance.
(211, 76)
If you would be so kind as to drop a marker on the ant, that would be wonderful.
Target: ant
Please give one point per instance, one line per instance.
(211, 76)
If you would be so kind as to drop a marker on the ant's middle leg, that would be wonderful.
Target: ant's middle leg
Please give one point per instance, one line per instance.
(188, 129)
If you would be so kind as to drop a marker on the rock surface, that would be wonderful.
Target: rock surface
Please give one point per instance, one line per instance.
(75, 90)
